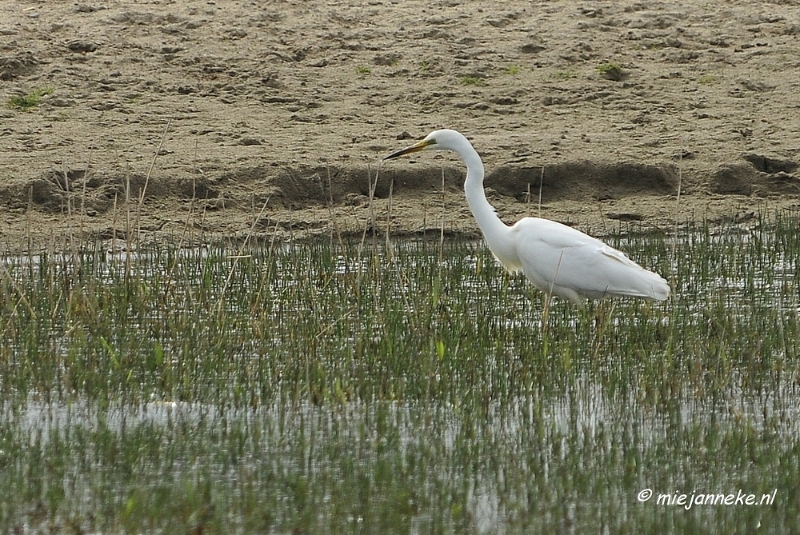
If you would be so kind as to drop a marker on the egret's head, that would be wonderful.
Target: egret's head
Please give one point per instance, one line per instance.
(437, 140)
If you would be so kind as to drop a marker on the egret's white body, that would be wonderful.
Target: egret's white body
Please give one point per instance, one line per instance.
(557, 259)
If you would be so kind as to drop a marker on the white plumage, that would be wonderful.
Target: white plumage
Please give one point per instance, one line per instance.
(557, 259)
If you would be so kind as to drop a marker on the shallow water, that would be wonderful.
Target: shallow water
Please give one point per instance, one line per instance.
(317, 390)
(488, 466)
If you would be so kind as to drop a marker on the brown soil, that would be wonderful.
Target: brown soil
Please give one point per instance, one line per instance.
(293, 103)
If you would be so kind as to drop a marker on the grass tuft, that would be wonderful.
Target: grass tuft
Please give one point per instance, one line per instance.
(472, 80)
(29, 101)
(612, 71)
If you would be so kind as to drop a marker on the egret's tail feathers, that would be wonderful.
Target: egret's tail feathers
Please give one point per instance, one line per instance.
(661, 290)
(645, 284)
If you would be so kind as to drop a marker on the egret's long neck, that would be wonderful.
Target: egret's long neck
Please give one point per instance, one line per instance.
(494, 230)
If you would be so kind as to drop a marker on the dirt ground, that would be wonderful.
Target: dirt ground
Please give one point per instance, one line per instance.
(223, 118)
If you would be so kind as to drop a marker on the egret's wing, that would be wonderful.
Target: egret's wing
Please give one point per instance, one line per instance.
(555, 255)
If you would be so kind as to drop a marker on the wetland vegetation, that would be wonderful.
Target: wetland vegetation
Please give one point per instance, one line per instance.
(397, 387)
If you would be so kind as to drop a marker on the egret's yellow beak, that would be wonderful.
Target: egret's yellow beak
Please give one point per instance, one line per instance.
(416, 147)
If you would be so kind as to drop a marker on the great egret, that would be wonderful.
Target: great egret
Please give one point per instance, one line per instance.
(557, 259)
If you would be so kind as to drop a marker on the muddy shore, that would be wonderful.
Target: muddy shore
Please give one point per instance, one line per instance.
(224, 118)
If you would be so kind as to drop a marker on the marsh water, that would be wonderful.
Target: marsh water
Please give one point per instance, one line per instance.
(399, 387)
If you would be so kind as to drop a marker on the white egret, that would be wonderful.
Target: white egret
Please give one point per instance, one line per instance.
(557, 259)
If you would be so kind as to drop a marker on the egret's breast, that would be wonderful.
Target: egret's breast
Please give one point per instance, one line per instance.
(510, 265)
